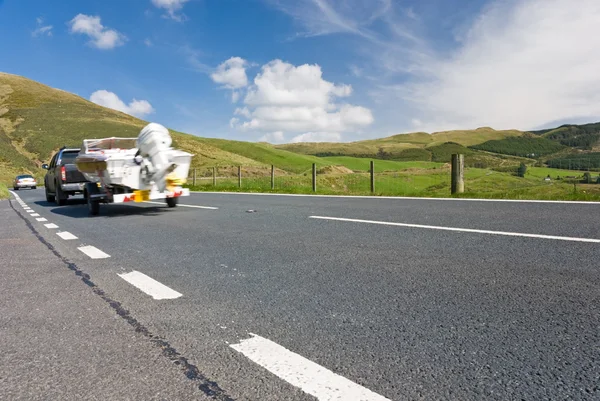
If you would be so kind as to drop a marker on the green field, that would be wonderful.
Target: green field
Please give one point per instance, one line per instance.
(479, 183)
(364, 164)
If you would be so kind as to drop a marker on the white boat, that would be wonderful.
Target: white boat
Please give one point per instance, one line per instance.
(120, 169)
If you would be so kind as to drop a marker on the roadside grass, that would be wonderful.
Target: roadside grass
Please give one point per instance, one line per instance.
(4, 194)
(479, 183)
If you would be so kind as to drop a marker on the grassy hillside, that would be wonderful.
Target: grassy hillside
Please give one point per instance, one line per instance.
(267, 154)
(36, 120)
(397, 145)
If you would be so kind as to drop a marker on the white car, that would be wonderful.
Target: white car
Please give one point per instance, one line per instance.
(24, 181)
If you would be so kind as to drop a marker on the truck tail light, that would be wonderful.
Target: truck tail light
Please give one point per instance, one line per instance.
(63, 173)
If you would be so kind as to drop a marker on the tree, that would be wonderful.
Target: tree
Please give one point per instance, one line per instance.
(381, 154)
(522, 170)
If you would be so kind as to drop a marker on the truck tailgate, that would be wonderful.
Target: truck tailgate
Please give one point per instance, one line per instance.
(73, 175)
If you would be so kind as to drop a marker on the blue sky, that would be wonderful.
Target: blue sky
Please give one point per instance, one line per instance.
(313, 70)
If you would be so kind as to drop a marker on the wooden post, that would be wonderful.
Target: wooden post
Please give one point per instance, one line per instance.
(457, 185)
(214, 177)
(239, 176)
(194, 177)
(272, 177)
(314, 177)
(372, 176)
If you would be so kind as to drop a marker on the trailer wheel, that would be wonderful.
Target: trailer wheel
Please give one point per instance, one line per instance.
(93, 206)
(172, 202)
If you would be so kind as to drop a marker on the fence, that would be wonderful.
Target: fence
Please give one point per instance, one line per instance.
(424, 179)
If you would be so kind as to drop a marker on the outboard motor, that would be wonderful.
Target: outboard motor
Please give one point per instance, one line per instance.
(154, 143)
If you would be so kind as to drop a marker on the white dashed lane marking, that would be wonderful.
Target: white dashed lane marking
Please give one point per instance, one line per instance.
(41, 219)
(93, 252)
(35, 215)
(51, 225)
(150, 286)
(301, 372)
(66, 235)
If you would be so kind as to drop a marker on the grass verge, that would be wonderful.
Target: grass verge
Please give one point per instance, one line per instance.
(4, 194)
(479, 183)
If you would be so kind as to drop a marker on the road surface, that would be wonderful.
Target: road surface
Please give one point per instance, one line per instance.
(263, 297)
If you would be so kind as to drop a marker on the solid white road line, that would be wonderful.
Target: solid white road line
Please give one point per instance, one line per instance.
(301, 372)
(51, 225)
(66, 235)
(194, 206)
(399, 197)
(35, 215)
(93, 252)
(150, 286)
(41, 219)
(466, 230)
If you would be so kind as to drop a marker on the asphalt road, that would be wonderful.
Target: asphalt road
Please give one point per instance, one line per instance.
(266, 302)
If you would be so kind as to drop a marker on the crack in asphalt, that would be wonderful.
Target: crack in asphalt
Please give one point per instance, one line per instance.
(191, 371)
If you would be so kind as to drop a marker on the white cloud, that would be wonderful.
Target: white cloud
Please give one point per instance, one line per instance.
(148, 42)
(172, 7)
(231, 73)
(235, 96)
(137, 108)
(41, 29)
(317, 137)
(516, 64)
(521, 65)
(297, 99)
(243, 112)
(273, 137)
(101, 36)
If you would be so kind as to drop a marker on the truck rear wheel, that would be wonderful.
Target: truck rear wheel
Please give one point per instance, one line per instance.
(59, 197)
(49, 198)
(172, 202)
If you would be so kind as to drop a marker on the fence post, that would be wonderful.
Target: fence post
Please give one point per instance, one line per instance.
(239, 176)
(194, 177)
(458, 174)
(272, 177)
(314, 177)
(214, 177)
(372, 177)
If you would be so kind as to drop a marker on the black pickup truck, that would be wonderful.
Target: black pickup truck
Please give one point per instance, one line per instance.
(63, 179)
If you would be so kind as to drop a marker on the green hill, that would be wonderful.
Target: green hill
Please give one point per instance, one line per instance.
(397, 147)
(36, 120)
